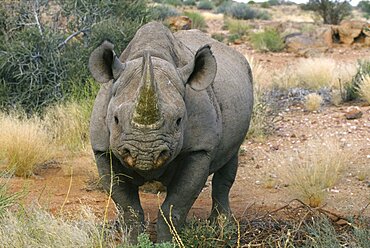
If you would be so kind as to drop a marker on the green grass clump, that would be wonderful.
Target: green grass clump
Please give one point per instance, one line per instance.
(197, 20)
(268, 40)
(6, 199)
(205, 5)
(352, 88)
(236, 26)
(202, 233)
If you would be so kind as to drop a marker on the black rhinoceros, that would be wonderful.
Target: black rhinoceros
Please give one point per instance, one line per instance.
(174, 108)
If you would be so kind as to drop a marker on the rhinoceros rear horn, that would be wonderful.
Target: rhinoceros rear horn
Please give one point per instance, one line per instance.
(104, 64)
(200, 72)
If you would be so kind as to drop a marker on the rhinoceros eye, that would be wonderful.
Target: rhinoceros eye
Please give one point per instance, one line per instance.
(116, 119)
(178, 122)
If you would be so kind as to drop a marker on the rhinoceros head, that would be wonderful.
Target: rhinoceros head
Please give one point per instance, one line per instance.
(147, 115)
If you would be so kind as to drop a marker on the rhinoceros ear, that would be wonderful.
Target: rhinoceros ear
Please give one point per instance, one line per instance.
(104, 64)
(201, 72)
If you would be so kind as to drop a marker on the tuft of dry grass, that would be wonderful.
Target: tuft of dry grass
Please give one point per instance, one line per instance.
(364, 88)
(38, 228)
(68, 124)
(312, 102)
(24, 144)
(315, 73)
(314, 168)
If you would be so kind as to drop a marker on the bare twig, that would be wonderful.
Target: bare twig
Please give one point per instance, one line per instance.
(35, 10)
(62, 44)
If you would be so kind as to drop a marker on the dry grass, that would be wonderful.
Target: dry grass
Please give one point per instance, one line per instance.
(314, 168)
(312, 102)
(263, 118)
(68, 124)
(315, 73)
(364, 88)
(37, 228)
(24, 144)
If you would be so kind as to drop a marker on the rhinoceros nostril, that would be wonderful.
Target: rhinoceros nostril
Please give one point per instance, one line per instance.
(162, 158)
(128, 158)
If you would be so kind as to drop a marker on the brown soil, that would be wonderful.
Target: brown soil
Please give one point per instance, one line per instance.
(57, 188)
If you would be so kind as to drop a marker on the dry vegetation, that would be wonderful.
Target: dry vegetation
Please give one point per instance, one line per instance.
(364, 88)
(313, 102)
(24, 144)
(309, 172)
(315, 168)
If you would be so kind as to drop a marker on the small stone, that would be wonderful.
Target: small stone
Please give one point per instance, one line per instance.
(353, 113)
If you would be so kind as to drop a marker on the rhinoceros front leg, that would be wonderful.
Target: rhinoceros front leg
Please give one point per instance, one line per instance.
(124, 194)
(187, 183)
(222, 181)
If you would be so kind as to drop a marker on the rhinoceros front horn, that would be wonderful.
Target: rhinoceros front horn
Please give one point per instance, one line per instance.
(147, 113)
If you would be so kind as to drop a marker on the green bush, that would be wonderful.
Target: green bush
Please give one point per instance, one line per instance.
(189, 3)
(218, 36)
(197, 20)
(236, 27)
(162, 12)
(175, 3)
(265, 5)
(242, 11)
(268, 40)
(332, 11)
(39, 65)
(352, 89)
(206, 5)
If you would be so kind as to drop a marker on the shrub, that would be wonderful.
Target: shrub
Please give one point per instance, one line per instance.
(332, 11)
(364, 88)
(265, 5)
(24, 144)
(364, 6)
(189, 3)
(242, 11)
(197, 20)
(236, 26)
(219, 37)
(312, 102)
(39, 65)
(206, 5)
(352, 88)
(175, 3)
(222, 233)
(162, 12)
(268, 40)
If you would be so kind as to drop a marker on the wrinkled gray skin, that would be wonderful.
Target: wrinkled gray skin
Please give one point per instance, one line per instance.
(199, 100)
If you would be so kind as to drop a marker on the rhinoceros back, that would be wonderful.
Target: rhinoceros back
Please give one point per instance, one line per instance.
(233, 89)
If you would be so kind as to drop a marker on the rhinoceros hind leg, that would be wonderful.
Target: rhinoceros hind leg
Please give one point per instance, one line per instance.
(222, 181)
